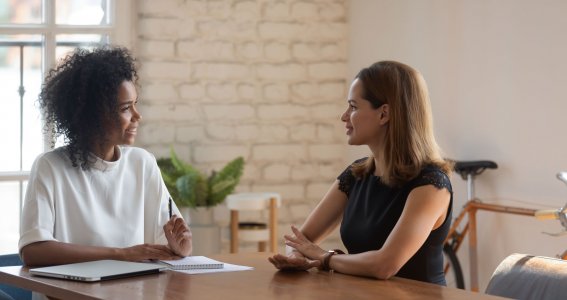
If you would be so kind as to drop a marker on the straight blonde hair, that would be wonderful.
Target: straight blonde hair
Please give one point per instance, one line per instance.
(410, 143)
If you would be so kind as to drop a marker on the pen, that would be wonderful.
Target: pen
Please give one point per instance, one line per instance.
(169, 207)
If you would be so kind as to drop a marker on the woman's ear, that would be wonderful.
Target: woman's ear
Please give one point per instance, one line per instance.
(384, 114)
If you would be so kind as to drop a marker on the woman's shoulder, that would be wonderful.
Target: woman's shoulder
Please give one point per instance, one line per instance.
(139, 159)
(346, 178)
(433, 169)
(348, 169)
(360, 160)
(434, 175)
(54, 156)
(136, 153)
(54, 162)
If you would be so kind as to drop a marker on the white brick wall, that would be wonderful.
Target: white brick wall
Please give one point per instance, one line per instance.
(263, 79)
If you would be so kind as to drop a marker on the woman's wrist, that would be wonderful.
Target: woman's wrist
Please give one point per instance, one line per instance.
(326, 259)
(119, 253)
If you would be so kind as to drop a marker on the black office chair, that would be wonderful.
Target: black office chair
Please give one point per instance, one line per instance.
(4, 296)
(7, 291)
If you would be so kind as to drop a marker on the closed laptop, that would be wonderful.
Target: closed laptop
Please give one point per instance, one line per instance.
(98, 270)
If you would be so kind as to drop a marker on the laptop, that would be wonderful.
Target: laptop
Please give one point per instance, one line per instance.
(98, 270)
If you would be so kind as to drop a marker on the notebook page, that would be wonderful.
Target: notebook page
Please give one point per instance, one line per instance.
(193, 262)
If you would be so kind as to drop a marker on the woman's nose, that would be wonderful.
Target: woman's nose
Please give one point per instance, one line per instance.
(136, 115)
(344, 116)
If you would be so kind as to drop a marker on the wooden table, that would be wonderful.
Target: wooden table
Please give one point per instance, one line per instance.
(264, 282)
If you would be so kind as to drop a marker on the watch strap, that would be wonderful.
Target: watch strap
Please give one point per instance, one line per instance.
(325, 264)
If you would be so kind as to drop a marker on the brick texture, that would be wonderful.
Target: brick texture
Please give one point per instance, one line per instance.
(261, 79)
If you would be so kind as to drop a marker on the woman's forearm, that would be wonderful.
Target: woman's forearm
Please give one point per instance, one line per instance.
(370, 264)
(56, 253)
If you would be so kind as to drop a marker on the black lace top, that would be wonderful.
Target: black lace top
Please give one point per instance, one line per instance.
(373, 210)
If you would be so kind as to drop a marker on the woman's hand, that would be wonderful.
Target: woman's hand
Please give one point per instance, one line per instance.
(293, 261)
(147, 252)
(299, 242)
(178, 236)
(305, 254)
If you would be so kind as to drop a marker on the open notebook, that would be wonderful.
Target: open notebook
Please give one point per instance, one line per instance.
(192, 262)
(98, 270)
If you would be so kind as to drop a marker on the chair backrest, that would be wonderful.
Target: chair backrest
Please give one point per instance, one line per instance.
(4, 296)
(523, 276)
(252, 201)
(14, 292)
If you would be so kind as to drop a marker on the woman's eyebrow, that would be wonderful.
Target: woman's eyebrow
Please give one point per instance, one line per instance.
(128, 102)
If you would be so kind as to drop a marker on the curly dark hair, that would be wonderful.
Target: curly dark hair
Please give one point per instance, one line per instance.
(79, 97)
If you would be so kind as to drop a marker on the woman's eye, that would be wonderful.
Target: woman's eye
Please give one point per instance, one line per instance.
(125, 108)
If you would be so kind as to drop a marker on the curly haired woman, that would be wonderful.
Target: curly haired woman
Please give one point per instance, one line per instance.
(394, 207)
(97, 197)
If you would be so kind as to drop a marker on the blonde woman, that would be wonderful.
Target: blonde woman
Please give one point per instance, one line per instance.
(393, 207)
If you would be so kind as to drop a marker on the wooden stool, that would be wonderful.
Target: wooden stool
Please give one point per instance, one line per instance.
(253, 232)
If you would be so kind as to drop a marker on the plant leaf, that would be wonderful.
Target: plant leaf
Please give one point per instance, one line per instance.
(187, 192)
(170, 175)
(223, 182)
(190, 187)
(180, 165)
(202, 192)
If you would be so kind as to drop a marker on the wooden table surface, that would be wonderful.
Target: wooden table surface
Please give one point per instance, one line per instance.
(264, 282)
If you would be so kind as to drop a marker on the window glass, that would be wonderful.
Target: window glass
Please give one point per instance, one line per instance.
(10, 220)
(66, 43)
(20, 74)
(20, 12)
(81, 12)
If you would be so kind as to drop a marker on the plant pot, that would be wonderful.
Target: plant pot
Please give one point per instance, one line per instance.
(202, 216)
(206, 234)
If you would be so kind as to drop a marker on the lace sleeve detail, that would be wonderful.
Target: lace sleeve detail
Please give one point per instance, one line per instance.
(436, 178)
(346, 180)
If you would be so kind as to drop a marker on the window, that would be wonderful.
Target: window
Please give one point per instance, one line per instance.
(34, 34)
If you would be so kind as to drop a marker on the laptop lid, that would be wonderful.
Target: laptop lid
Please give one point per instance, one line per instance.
(98, 270)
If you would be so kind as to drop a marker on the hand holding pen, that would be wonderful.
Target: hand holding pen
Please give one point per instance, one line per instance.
(178, 234)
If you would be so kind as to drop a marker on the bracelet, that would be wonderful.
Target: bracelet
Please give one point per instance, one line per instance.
(325, 264)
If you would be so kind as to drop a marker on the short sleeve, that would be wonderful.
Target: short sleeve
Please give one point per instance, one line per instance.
(38, 214)
(434, 177)
(347, 179)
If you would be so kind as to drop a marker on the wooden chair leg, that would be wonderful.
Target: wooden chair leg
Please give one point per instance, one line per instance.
(262, 246)
(233, 231)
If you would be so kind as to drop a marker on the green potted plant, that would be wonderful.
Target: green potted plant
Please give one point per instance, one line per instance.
(190, 187)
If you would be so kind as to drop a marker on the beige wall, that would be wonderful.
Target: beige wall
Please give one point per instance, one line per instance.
(266, 80)
(260, 79)
(496, 74)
